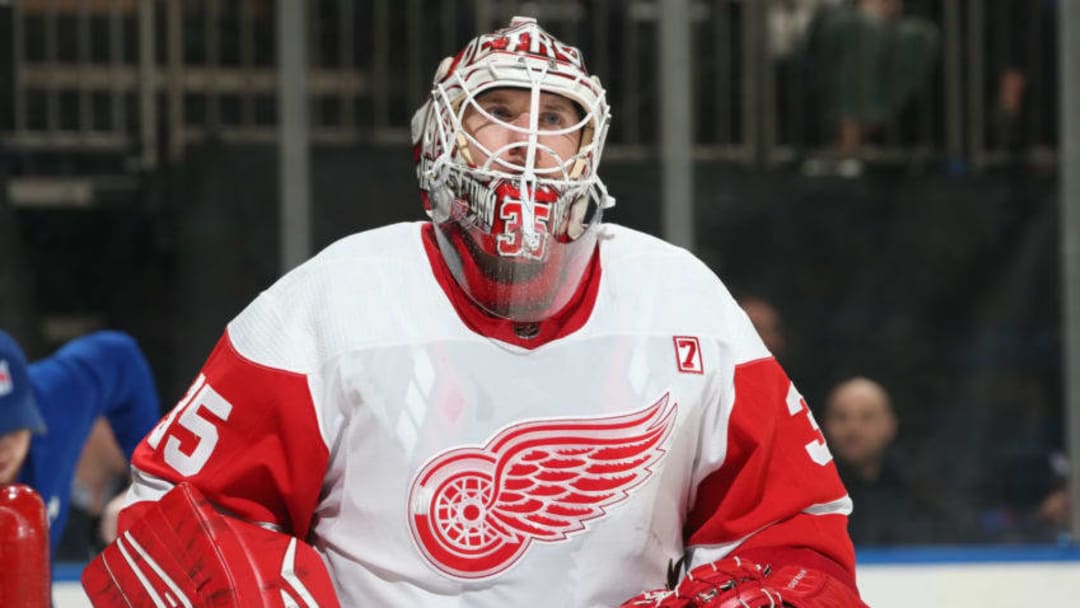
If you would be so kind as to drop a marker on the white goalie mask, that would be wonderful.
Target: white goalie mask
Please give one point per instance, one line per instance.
(516, 216)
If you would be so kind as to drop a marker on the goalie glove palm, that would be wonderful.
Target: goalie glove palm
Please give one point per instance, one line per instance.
(181, 552)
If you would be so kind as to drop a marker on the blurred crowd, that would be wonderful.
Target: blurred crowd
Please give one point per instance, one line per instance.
(1021, 495)
(871, 70)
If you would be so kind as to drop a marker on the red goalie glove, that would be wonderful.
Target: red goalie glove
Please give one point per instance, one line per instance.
(735, 583)
(181, 552)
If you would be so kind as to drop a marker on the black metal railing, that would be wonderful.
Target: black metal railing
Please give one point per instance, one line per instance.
(155, 76)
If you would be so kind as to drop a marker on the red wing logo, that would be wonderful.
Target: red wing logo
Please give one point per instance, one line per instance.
(475, 511)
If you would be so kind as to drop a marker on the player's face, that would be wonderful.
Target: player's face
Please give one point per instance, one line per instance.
(509, 106)
(859, 424)
(13, 449)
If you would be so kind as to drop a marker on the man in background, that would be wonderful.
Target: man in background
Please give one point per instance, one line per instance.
(47, 410)
(861, 427)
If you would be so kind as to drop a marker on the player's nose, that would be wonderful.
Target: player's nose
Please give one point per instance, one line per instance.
(517, 140)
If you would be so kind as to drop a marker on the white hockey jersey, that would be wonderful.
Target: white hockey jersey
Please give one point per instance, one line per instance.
(432, 465)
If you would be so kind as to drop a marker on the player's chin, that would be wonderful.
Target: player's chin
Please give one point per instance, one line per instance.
(506, 270)
(512, 288)
(509, 271)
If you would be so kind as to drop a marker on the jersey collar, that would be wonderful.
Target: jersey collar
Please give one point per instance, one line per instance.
(568, 320)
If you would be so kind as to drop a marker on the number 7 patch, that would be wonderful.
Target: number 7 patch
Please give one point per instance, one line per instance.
(688, 354)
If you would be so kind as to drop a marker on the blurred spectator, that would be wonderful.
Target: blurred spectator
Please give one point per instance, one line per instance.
(47, 409)
(1022, 55)
(788, 23)
(1028, 501)
(1004, 45)
(1015, 468)
(861, 426)
(766, 320)
(869, 60)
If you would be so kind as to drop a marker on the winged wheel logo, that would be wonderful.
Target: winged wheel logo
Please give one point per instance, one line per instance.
(475, 511)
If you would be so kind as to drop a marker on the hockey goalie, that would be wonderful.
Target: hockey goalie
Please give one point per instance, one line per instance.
(512, 404)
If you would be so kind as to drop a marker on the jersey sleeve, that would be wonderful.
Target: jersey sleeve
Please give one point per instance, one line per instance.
(775, 490)
(246, 435)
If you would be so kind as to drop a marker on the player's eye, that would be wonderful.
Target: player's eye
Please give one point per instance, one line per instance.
(500, 111)
(552, 120)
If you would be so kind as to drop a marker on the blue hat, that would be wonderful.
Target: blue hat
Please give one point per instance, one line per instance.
(18, 410)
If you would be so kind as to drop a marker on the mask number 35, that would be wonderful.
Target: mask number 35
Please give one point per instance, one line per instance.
(195, 413)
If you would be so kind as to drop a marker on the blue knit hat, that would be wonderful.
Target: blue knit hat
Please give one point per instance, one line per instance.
(18, 410)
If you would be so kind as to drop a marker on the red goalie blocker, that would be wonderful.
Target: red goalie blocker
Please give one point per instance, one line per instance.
(24, 548)
(181, 552)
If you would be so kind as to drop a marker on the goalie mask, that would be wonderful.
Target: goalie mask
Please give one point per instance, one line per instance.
(507, 147)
